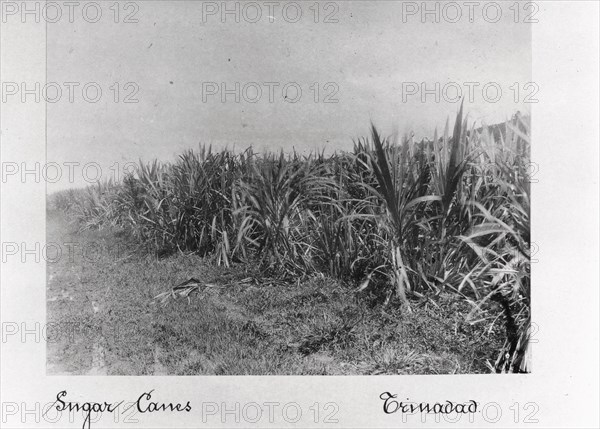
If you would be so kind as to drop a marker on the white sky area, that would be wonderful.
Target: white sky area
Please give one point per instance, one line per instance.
(368, 55)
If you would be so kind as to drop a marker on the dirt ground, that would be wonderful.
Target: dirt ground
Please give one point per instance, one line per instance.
(104, 320)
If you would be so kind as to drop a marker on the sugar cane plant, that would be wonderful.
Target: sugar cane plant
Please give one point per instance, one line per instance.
(406, 219)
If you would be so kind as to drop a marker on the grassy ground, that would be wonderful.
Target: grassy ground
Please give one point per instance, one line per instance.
(104, 320)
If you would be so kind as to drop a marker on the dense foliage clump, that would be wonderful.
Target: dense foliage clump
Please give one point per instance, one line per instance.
(407, 219)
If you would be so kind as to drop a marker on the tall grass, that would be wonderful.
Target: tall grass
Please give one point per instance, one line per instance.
(406, 219)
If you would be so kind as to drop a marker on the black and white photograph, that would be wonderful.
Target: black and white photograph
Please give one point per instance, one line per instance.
(297, 190)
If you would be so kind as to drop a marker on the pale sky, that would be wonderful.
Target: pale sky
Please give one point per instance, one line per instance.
(367, 56)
